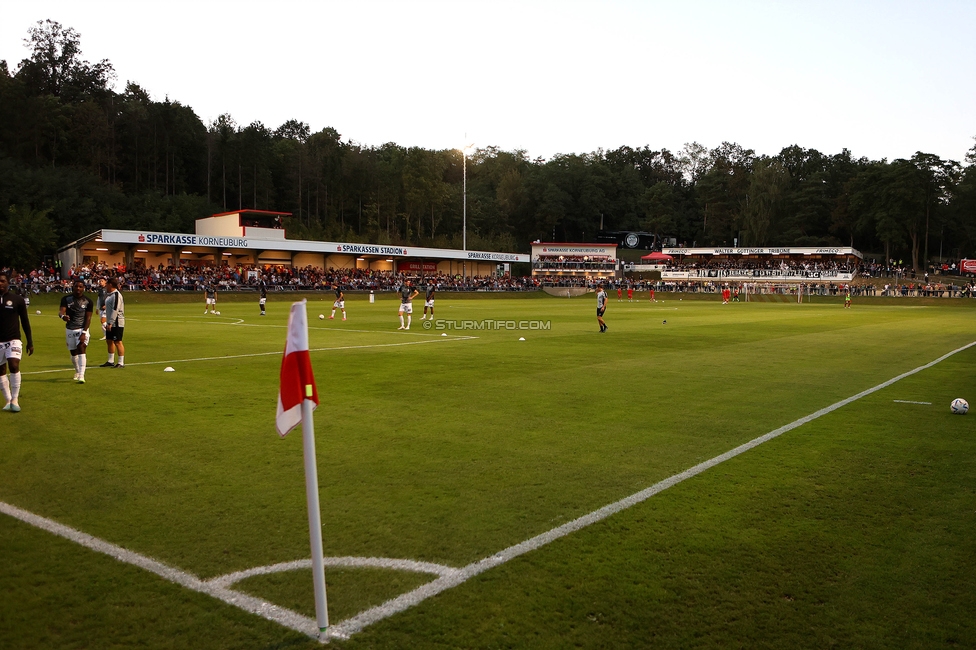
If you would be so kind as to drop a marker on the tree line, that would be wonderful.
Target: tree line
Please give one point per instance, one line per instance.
(77, 155)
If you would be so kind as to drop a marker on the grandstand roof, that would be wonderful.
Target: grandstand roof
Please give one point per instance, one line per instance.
(838, 251)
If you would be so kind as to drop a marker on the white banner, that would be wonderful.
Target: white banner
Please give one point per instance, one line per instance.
(605, 250)
(302, 246)
(758, 275)
(808, 250)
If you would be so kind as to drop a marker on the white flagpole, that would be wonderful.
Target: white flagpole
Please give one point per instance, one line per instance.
(312, 498)
(314, 516)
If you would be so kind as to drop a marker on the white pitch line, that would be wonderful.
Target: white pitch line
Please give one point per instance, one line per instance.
(276, 352)
(356, 562)
(239, 322)
(448, 577)
(280, 615)
(905, 401)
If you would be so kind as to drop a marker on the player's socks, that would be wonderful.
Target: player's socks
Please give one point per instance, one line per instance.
(401, 322)
(121, 362)
(5, 389)
(82, 366)
(409, 319)
(14, 387)
(111, 358)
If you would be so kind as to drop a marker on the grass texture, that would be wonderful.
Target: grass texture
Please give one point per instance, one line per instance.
(854, 530)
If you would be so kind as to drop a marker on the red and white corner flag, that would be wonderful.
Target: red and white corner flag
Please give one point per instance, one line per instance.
(297, 398)
(297, 381)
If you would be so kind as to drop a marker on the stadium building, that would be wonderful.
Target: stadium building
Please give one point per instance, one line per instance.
(257, 237)
(566, 261)
(789, 265)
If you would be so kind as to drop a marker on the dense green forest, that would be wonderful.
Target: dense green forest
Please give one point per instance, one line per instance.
(76, 155)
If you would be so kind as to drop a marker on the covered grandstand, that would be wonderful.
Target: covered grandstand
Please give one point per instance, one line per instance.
(775, 264)
(257, 238)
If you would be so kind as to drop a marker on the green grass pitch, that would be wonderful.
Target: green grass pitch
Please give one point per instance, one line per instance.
(857, 529)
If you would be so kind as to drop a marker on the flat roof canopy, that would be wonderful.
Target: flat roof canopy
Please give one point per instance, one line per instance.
(839, 251)
(171, 240)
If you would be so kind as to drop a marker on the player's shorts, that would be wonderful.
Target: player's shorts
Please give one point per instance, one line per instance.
(339, 304)
(600, 311)
(101, 313)
(262, 301)
(74, 338)
(211, 301)
(429, 303)
(406, 307)
(114, 334)
(11, 350)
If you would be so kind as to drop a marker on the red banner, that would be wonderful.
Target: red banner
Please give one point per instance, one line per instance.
(417, 267)
(967, 266)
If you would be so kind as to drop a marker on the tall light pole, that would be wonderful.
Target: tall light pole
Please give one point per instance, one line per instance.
(464, 192)
(464, 204)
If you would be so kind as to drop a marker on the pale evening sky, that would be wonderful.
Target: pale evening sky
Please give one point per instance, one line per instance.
(884, 79)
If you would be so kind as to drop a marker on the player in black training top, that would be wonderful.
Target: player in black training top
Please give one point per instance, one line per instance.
(264, 296)
(407, 294)
(76, 312)
(211, 299)
(13, 316)
(429, 300)
(340, 302)
(100, 304)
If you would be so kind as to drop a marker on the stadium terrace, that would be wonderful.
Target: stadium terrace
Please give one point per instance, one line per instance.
(257, 238)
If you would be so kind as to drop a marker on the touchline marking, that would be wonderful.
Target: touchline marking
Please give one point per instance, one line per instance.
(448, 577)
(905, 401)
(277, 352)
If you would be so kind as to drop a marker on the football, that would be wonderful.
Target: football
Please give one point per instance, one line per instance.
(959, 406)
(217, 312)
(321, 316)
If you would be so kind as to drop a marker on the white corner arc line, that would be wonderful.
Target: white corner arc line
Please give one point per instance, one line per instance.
(448, 577)
(355, 562)
(357, 623)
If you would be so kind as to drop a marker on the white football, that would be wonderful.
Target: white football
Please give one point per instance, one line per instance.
(38, 312)
(959, 406)
(217, 312)
(321, 316)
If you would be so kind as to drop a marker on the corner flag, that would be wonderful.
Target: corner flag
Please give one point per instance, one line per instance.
(297, 398)
(297, 382)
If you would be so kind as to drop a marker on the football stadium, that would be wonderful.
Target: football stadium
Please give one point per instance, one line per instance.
(276, 388)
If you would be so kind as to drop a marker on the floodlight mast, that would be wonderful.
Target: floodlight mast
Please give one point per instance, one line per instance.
(464, 193)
